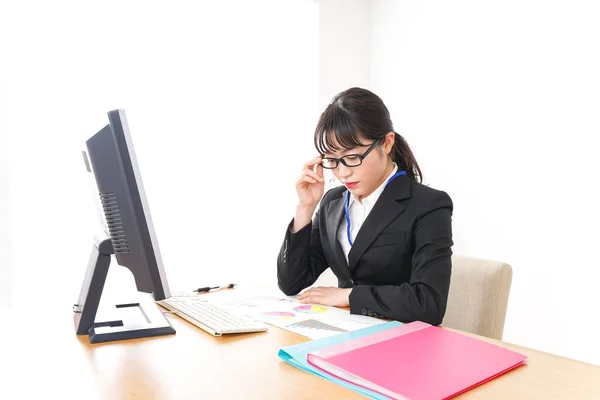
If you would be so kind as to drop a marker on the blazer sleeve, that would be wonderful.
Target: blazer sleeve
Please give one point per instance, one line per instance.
(300, 261)
(425, 296)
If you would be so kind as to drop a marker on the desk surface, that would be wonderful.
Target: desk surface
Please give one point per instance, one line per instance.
(193, 364)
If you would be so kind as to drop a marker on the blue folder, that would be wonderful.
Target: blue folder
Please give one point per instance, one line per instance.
(296, 355)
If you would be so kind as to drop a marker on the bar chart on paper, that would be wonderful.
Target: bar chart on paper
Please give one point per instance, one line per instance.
(314, 328)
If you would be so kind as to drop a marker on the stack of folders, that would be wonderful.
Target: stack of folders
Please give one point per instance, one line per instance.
(403, 361)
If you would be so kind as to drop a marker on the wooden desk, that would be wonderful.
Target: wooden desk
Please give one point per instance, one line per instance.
(195, 365)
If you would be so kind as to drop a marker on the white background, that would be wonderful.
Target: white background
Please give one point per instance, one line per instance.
(498, 100)
(5, 247)
(216, 93)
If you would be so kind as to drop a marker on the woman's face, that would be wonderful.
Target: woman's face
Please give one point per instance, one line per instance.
(376, 166)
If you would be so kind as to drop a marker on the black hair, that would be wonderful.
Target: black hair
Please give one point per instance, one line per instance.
(358, 114)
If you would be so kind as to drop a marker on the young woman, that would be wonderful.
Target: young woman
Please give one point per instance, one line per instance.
(385, 235)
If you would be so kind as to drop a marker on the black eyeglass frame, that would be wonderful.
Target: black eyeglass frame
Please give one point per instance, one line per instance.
(337, 161)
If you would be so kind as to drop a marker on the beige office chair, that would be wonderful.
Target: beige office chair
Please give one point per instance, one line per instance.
(478, 296)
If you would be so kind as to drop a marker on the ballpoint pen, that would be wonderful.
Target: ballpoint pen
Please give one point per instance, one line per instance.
(208, 288)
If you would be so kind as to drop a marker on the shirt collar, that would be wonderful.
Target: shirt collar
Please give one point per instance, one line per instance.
(371, 199)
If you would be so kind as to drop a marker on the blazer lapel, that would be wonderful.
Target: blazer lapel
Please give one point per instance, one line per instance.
(386, 209)
(335, 215)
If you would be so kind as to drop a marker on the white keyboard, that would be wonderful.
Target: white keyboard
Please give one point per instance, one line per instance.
(213, 318)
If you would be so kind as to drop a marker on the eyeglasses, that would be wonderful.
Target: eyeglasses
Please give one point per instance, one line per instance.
(350, 160)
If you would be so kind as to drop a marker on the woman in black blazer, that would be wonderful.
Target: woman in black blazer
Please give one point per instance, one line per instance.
(385, 235)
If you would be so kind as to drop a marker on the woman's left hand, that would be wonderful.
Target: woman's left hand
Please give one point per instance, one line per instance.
(327, 296)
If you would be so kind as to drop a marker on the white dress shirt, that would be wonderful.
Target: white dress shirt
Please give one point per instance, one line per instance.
(358, 214)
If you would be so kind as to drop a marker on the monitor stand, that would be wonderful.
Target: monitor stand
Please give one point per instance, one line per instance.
(134, 320)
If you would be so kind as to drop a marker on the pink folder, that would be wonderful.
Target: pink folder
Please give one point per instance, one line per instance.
(416, 361)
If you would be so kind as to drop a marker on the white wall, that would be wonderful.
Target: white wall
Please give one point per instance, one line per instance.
(5, 248)
(344, 39)
(500, 102)
(221, 99)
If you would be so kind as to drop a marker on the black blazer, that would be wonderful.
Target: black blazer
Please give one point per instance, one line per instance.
(399, 266)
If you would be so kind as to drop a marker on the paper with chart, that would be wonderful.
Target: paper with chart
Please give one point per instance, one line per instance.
(311, 320)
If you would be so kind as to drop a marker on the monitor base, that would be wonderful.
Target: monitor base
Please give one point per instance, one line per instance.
(138, 320)
(133, 320)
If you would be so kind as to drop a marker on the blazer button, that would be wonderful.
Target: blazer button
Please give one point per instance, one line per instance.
(364, 311)
(370, 313)
(375, 315)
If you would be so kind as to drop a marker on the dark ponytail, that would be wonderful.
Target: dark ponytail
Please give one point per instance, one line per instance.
(357, 114)
(403, 156)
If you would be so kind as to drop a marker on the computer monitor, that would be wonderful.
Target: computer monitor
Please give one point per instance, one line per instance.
(129, 237)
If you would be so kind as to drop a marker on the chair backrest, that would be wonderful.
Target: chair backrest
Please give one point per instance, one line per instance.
(478, 296)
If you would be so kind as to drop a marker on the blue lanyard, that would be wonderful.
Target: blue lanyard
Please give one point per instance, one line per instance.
(347, 203)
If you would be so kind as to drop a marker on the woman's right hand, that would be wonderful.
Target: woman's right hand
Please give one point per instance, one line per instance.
(311, 185)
